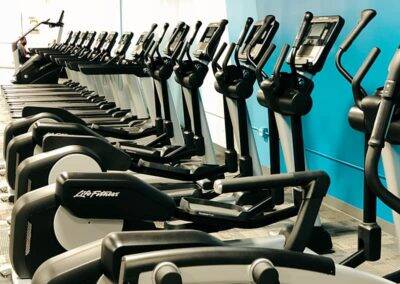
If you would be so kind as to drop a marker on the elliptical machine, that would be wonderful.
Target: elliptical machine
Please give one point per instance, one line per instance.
(362, 117)
(213, 214)
(287, 96)
(33, 71)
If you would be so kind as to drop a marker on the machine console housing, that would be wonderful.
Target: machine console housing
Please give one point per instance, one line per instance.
(178, 35)
(317, 43)
(124, 43)
(209, 41)
(257, 50)
(110, 41)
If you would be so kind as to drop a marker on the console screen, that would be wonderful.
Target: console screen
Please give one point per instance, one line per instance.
(317, 30)
(209, 34)
(175, 41)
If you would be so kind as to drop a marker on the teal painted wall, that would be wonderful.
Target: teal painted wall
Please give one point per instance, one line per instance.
(331, 144)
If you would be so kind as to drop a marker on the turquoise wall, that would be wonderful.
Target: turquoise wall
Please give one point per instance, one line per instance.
(331, 144)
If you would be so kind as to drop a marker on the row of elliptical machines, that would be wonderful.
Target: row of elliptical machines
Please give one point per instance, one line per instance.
(43, 219)
(73, 203)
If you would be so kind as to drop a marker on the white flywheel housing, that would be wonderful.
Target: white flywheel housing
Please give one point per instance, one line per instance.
(72, 232)
(73, 163)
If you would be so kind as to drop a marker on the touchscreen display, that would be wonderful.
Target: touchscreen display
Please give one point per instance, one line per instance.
(317, 30)
(209, 34)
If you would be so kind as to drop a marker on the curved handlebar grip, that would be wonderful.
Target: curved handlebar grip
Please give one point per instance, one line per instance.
(228, 55)
(177, 50)
(196, 30)
(183, 52)
(147, 51)
(61, 17)
(214, 62)
(263, 61)
(366, 17)
(245, 30)
(358, 92)
(308, 16)
(153, 28)
(281, 59)
(165, 28)
(265, 57)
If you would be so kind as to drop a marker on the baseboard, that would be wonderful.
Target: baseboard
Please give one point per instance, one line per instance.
(356, 213)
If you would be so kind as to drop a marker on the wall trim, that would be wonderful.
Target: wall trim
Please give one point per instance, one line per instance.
(356, 213)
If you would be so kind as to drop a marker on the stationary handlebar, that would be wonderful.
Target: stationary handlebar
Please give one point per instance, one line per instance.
(358, 94)
(259, 69)
(281, 59)
(308, 16)
(228, 55)
(214, 64)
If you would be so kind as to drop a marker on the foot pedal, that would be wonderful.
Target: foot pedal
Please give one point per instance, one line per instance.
(4, 198)
(4, 189)
(5, 270)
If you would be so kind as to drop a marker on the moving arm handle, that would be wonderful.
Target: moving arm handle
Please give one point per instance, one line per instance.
(308, 16)
(389, 100)
(152, 29)
(358, 91)
(196, 31)
(214, 64)
(259, 69)
(228, 55)
(366, 17)
(242, 37)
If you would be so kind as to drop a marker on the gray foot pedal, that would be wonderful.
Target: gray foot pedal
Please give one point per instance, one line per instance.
(5, 270)
(4, 189)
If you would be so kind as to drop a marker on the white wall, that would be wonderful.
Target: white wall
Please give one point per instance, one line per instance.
(128, 15)
(9, 29)
(16, 15)
(139, 17)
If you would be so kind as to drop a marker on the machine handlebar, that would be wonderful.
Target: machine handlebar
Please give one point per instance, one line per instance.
(366, 16)
(389, 101)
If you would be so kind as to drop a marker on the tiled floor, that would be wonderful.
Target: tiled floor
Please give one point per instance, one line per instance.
(341, 226)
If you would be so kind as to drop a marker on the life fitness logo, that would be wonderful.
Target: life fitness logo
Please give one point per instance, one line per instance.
(97, 193)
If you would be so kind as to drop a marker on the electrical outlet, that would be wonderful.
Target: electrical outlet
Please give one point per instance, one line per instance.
(262, 132)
